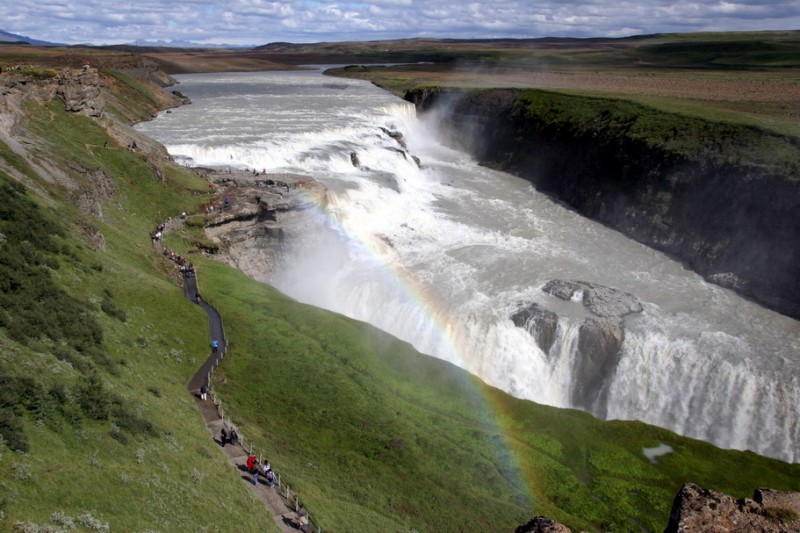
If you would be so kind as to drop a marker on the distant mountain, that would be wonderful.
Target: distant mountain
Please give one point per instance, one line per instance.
(6, 37)
(174, 43)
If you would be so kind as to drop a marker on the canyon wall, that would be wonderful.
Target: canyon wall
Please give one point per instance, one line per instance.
(721, 198)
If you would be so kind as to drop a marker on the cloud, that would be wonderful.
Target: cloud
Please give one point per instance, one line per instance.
(262, 21)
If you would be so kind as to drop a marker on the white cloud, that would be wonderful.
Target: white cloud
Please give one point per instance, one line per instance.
(260, 21)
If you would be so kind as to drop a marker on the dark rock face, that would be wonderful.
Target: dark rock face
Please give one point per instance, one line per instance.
(599, 341)
(733, 223)
(698, 509)
(542, 524)
(540, 322)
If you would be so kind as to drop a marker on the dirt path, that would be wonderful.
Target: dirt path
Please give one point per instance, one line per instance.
(271, 497)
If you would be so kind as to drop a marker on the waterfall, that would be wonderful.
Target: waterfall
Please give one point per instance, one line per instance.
(445, 253)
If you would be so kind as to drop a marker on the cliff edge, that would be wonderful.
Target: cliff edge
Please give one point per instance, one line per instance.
(721, 198)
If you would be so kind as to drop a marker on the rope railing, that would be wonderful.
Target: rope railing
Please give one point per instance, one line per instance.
(284, 491)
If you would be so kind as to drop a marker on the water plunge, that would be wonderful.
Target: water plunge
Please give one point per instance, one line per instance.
(443, 255)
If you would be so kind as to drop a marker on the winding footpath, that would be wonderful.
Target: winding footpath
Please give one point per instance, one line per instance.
(276, 503)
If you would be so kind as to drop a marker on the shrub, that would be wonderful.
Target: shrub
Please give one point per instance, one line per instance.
(93, 398)
(112, 310)
(11, 431)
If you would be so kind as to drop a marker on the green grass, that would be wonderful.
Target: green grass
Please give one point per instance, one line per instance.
(99, 443)
(676, 134)
(374, 436)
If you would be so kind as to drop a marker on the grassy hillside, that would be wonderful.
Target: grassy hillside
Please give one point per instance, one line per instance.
(97, 345)
(376, 437)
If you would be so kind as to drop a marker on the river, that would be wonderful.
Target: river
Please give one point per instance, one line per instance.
(442, 254)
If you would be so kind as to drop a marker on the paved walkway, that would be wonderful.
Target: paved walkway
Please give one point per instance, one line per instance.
(236, 454)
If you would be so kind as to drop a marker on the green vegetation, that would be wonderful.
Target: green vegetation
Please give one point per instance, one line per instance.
(97, 344)
(675, 134)
(741, 54)
(375, 436)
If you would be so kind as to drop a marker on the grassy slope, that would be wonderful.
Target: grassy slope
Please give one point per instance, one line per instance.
(375, 436)
(149, 464)
(686, 136)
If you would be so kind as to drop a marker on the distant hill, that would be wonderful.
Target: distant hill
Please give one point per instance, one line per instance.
(175, 43)
(6, 37)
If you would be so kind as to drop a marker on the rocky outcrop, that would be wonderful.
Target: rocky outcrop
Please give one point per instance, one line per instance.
(698, 509)
(81, 91)
(260, 212)
(542, 524)
(719, 197)
(97, 188)
(600, 336)
(540, 323)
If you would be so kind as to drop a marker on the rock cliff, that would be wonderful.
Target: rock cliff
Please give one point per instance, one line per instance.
(721, 198)
(260, 211)
(599, 339)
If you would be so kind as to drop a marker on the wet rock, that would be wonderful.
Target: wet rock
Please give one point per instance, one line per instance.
(600, 300)
(397, 136)
(264, 211)
(542, 524)
(540, 323)
(599, 343)
(184, 100)
(354, 159)
(599, 339)
(698, 509)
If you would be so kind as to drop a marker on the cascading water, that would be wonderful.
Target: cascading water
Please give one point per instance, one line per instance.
(444, 254)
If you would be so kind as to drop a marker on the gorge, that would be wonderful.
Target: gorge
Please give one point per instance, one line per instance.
(444, 255)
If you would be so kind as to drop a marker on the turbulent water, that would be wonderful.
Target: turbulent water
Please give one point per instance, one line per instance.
(442, 255)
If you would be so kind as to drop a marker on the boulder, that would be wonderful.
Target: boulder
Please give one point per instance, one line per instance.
(540, 323)
(542, 524)
(602, 301)
(698, 509)
(599, 339)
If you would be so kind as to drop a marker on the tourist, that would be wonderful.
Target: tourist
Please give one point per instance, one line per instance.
(223, 437)
(204, 392)
(214, 345)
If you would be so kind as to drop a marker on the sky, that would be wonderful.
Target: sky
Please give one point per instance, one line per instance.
(256, 22)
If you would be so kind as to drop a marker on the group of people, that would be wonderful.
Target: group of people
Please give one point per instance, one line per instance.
(258, 469)
(299, 520)
(228, 437)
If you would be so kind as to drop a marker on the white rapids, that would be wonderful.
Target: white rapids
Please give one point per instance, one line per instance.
(441, 255)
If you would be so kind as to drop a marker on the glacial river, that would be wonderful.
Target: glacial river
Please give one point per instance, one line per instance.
(441, 255)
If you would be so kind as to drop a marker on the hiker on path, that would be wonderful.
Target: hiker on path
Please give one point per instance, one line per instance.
(300, 520)
(214, 346)
(252, 466)
(234, 437)
(203, 392)
(223, 437)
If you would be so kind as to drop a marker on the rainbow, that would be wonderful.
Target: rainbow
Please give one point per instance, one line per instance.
(490, 402)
